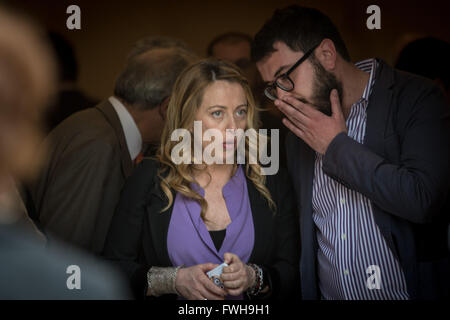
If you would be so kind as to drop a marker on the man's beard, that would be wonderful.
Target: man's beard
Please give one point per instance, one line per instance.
(324, 82)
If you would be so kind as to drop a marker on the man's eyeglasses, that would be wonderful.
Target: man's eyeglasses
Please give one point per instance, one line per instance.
(283, 81)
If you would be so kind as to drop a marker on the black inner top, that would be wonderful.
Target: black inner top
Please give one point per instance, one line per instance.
(217, 237)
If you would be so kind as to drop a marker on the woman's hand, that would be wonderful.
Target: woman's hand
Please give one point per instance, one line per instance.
(237, 277)
(193, 283)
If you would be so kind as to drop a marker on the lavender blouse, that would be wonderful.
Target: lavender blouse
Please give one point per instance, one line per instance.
(188, 240)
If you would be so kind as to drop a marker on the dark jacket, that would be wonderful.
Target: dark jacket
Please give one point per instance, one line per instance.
(402, 167)
(137, 238)
(78, 189)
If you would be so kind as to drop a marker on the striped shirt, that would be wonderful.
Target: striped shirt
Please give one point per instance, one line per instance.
(354, 261)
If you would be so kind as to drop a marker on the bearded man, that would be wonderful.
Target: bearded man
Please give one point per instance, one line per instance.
(369, 157)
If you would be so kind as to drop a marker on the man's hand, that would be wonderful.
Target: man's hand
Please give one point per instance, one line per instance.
(311, 125)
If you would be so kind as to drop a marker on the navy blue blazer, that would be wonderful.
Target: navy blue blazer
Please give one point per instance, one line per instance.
(403, 167)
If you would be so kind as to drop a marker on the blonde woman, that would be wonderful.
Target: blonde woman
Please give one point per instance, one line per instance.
(176, 222)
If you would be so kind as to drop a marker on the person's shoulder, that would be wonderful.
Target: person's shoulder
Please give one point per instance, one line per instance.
(82, 119)
(418, 96)
(294, 144)
(145, 173)
(142, 183)
(412, 92)
(34, 272)
(405, 82)
(148, 164)
(279, 180)
(412, 82)
(85, 124)
(87, 130)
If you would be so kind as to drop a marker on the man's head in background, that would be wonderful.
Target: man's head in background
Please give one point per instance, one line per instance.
(427, 57)
(156, 42)
(70, 97)
(235, 47)
(65, 56)
(146, 82)
(27, 82)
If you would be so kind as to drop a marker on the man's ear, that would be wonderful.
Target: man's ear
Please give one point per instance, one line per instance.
(163, 108)
(326, 54)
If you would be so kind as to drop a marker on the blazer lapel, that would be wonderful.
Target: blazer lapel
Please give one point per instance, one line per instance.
(302, 175)
(111, 116)
(305, 176)
(159, 223)
(379, 126)
(262, 217)
(379, 110)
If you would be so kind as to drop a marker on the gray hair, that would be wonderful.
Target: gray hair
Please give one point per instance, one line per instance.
(156, 42)
(148, 77)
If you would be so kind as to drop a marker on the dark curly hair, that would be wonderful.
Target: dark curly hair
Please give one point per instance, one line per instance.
(298, 27)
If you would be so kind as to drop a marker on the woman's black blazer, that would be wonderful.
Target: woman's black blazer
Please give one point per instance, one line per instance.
(137, 237)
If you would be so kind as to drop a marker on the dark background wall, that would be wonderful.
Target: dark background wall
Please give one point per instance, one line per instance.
(109, 28)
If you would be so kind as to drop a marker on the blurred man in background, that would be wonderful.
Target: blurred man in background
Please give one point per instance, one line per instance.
(427, 57)
(70, 99)
(28, 270)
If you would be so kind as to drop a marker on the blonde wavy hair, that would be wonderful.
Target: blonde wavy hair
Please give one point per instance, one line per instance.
(185, 100)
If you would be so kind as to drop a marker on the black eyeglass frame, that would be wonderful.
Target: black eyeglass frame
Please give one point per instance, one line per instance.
(285, 76)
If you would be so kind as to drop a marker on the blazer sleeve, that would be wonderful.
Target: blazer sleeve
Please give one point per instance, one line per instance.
(414, 189)
(124, 241)
(284, 272)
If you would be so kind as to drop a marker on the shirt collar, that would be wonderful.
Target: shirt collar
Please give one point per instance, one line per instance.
(369, 66)
(230, 189)
(132, 134)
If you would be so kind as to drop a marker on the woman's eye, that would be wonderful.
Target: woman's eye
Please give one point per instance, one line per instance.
(242, 112)
(216, 114)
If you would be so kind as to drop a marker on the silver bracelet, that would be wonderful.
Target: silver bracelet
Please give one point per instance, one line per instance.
(161, 280)
(259, 278)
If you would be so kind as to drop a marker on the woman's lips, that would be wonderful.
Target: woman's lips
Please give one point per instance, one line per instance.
(228, 145)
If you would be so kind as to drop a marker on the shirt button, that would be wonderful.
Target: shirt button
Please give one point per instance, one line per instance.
(344, 236)
(346, 272)
(342, 201)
